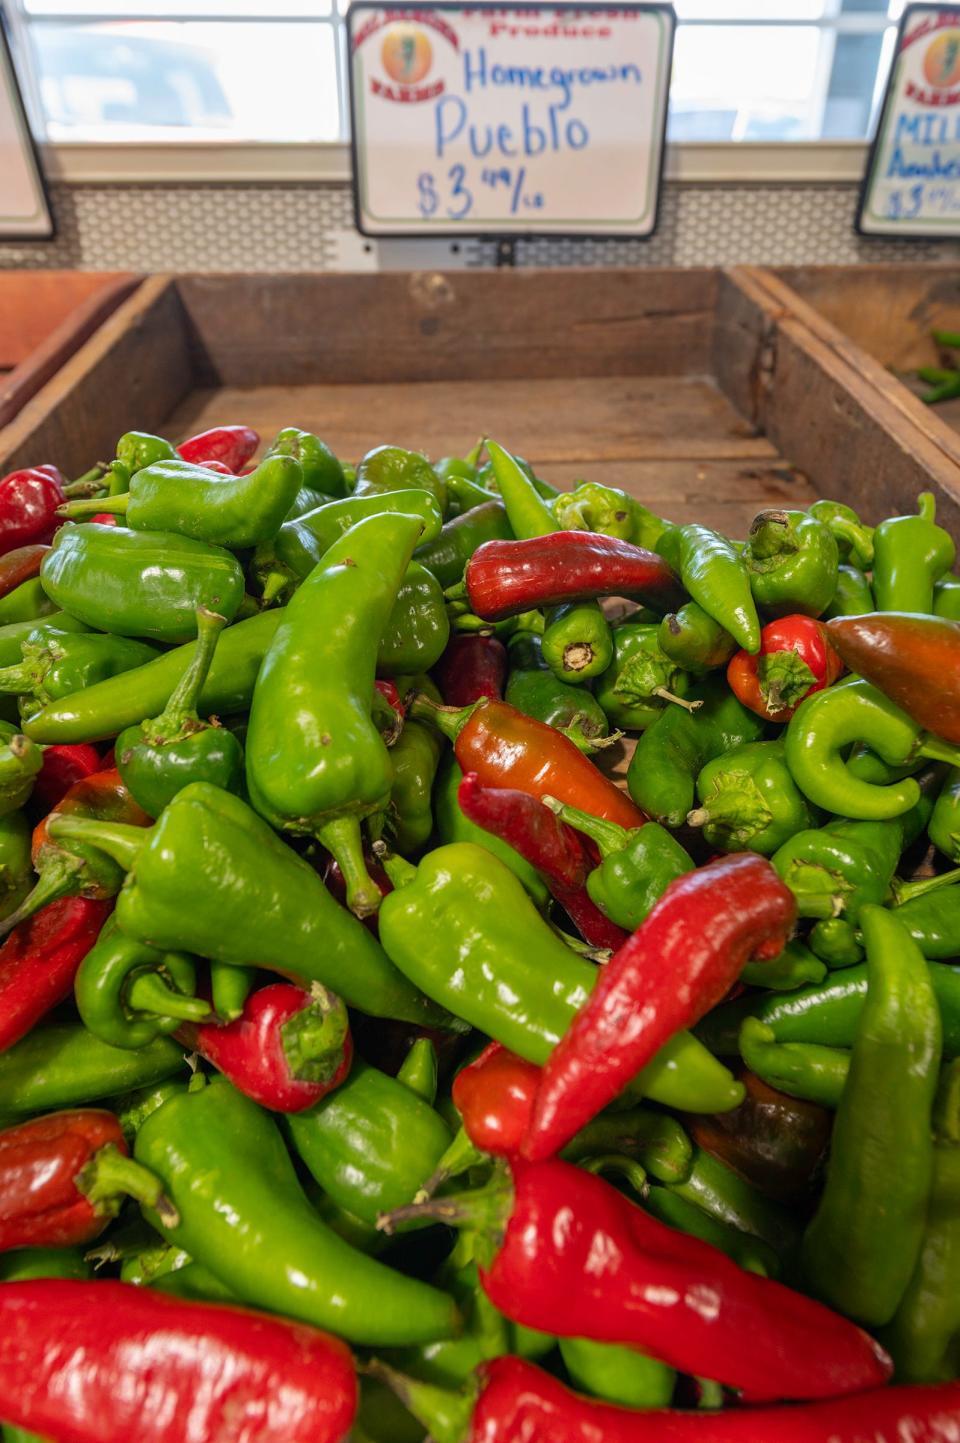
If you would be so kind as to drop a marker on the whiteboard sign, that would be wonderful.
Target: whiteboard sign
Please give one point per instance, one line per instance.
(527, 120)
(912, 182)
(24, 212)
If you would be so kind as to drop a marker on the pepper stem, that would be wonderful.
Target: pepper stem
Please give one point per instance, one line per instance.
(484, 1211)
(118, 839)
(110, 1175)
(74, 510)
(231, 986)
(771, 535)
(418, 1071)
(475, 452)
(608, 836)
(399, 871)
(313, 1039)
(274, 584)
(906, 891)
(927, 506)
(59, 878)
(445, 1414)
(85, 484)
(18, 679)
(666, 695)
(858, 538)
(182, 704)
(461, 1155)
(148, 992)
(937, 750)
(448, 720)
(577, 655)
(341, 837)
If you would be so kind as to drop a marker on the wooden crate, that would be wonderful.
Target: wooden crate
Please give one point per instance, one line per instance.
(697, 390)
(45, 316)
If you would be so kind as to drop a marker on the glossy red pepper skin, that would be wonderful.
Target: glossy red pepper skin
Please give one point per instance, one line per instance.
(679, 963)
(755, 682)
(471, 667)
(579, 1259)
(504, 578)
(40, 1162)
(547, 844)
(494, 1096)
(20, 565)
(39, 960)
(233, 446)
(109, 1362)
(267, 1051)
(63, 767)
(520, 1401)
(217, 466)
(106, 518)
(28, 506)
(912, 659)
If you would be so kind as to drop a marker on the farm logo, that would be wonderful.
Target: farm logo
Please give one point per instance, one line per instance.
(406, 53)
(940, 69)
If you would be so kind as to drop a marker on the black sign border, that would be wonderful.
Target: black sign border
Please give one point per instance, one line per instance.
(508, 234)
(32, 149)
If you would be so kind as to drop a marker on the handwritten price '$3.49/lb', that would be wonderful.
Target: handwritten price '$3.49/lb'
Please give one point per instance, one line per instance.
(454, 198)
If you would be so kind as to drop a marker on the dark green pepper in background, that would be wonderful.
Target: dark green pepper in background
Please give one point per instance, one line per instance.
(58, 663)
(577, 643)
(792, 560)
(26, 602)
(418, 628)
(319, 468)
(20, 761)
(16, 867)
(536, 691)
(447, 555)
(715, 574)
(748, 799)
(911, 554)
(795, 967)
(140, 583)
(944, 827)
(687, 1217)
(800, 1069)
(63, 1065)
(853, 596)
(415, 756)
(391, 468)
(694, 640)
(946, 597)
(672, 752)
(854, 539)
(641, 680)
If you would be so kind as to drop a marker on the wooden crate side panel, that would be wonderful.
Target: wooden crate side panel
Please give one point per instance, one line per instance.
(251, 330)
(35, 303)
(130, 375)
(743, 341)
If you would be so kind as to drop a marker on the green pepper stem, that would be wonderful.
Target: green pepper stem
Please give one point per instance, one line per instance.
(461, 1155)
(90, 480)
(906, 891)
(400, 872)
(949, 339)
(148, 992)
(17, 680)
(341, 837)
(771, 535)
(182, 703)
(313, 1039)
(118, 839)
(418, 1070)
(937, 750)
(20, 759)
(927, 506)
(628, 1168)
(858, 538)
(448, 720)
(231, 986)
(444, 1413)
(484, 1212)
(111, 1174)
(665, 695)
(528, 514)
(274, 584)
(476, 451)
(609, 836)
(74, 510)
(59, 878)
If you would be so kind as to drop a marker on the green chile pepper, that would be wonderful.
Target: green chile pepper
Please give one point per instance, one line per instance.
(27, 602)
(749, 1251)
(641, 680)
(128, 994)
(161, 756)
(672, 752)
(946, 597)
(834, 939)
(244, 1216)
(418, 628)
(464, 929)
(527, 511)
(447, 555)
(132, 1109)
(854, 539)
(16, 867)
(694, 640)
(911, 554)
(800, 1069)
(415, 756)
(725, 1196)
(419, 1070)
(137, 449)
(16, 633)
(796, 967)
(861, 1247)
(453, 826)
(189, 500)
(319, 468)
(63, 1065)
(792, 559)
(194, 1283)
(20, 761)
(609, 511)
(268, 907)
(316, 763)
(58, 663)
(715, 574)
(370, 1144)
(391, 468)
(617, 1375)
(853, 596)
(748, 799)
(536, 691)
(944, 827)
(636, 867)
(140, 583)
(577, 642)
(933, 921)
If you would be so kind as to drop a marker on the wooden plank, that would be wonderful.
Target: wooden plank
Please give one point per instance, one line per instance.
(25, 380)
(591, 418)
(35, 303)
(855, 431)
(743, 338)
(131, 374)
(462, 325)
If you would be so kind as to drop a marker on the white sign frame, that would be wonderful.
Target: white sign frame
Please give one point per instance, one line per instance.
(898, 206)
(37, 224)
(527, 223)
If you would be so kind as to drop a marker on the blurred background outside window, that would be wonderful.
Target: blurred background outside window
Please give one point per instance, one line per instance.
(248, 70)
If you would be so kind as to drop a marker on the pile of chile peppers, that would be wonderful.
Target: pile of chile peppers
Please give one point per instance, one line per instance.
(374, 1053)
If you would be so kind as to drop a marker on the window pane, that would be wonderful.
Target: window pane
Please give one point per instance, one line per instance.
(749, 9)
(745, 83)
(169, 80)
(257, 9)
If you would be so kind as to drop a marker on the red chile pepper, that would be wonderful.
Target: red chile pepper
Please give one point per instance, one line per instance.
(287, 1050)
(509, 749)
(795, 659)
(39, 960)
(107, 1362)
(471, 667)
(20, 565)
(217, 466)
(518, 1400)
(63, 767)
(679, 963)
(64, 1176)
(494, 1097)
(231, 445)
(106, 518)
(563, 1251)
(504, 578)
(547, 844)
(28, 506)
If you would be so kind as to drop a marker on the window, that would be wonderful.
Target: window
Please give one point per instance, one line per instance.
(249, 70)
